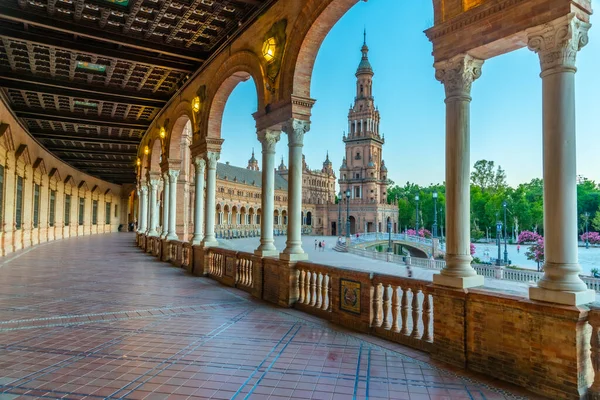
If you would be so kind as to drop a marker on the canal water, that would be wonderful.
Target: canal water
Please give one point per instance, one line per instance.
(588, 258)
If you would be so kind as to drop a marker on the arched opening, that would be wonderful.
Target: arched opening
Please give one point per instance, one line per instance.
(284, 217)
(309, 218)
(227, 215)
(235, 216)
(276, 218)
(352, 225)
(243, 216)
(258, 215)
(219, 215)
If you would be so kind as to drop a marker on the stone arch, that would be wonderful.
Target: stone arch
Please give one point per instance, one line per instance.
(310, 29)
(239, 67)
(182, 129)
(154, 158)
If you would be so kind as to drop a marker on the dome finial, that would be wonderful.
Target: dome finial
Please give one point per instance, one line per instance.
(365, 36)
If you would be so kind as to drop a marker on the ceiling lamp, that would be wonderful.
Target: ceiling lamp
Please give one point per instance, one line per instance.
(162, 132)
(146, 150)
(268, 49)
(196, 104)
(139, 162)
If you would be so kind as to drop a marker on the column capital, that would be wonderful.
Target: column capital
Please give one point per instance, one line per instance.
(558, 42)
(295, 129)
(199, 163)
(173, 175)
(457, 74)
(154, 183)
(268, 138)
(212, 157)
(144, 189)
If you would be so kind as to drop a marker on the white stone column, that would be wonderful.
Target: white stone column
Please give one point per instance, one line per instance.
(200, 165)
(173, 174)
(211, 199)
(268, 139)
(557, 44)
(295, 130)
(457, 74)
(144, 208)
(166, 195)
(153, 208)
(139, 210)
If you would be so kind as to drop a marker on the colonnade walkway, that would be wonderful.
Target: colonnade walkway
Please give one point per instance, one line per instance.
(94, 317)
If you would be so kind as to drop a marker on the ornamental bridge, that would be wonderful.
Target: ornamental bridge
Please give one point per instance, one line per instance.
(416, 246)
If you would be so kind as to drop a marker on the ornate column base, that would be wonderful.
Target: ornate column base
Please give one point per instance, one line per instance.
(266, 253)
(293, 257)
(172, 237)
(561, 297)
(458, 282)
(209, 243)
(197, 240)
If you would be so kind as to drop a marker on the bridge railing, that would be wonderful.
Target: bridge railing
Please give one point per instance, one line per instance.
(374, 236)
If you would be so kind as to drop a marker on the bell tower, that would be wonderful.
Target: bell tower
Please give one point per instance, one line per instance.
(362, 170)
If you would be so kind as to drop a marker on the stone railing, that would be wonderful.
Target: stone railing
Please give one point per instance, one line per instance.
(395, 308)
(180, 253)
(425, 263)
(503, 336)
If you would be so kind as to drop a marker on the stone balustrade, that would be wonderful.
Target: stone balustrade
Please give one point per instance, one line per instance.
(503, 336)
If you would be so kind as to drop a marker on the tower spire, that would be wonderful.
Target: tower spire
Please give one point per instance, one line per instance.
(365, 36)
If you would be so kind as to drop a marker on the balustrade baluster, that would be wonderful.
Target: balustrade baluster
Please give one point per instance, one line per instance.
(378, 305)
(387, 324)
(319, 290)
(595, 354)
(395, 309)
(307, 287)
(371, 306)
(238, 271)
(427, 314)
(250, 273)
(404, 311)
(301, 275)
(244, 272)
(325, 305)
(416, 313)
(313, 289)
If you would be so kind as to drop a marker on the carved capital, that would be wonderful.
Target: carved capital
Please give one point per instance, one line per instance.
(296, 129)
(558, 42)
(173, 175)
(268, 138)
(212, 158)
(457, 74)
(144, 189)
(200, 164)
(154, 184)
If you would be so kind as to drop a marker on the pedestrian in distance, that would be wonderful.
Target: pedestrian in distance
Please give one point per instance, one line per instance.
(319, 245)
(316, 241)
(323, 243)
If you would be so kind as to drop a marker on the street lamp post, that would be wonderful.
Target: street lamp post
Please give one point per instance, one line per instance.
(434, 228)
(417, 220)
(587, 239)
(389, 226)
(442, 223)
(348, 213)
(505, 243)
(498, 231)
(339, 225)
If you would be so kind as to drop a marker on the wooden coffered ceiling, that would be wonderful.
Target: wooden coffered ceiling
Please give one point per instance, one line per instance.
(87, 77)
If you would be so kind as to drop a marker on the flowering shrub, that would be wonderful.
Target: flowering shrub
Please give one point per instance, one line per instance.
(424, 233)
(472, 249)
(411, 232)
(528, 237)
(536, 252)
(592, 237)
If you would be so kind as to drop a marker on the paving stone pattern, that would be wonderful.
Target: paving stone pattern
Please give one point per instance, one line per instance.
(94, 317)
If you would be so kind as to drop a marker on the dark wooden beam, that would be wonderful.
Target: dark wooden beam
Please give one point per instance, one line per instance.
(94, 120)
(74, 46)
(99, 162)
(108, 152)
(20, 15)
(71, 89)
(52, 135)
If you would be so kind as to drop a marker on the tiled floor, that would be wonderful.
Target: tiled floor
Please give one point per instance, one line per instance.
(94, 317)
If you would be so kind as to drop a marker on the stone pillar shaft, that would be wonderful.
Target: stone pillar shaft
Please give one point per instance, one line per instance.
(173, 174)
(211, 193)
(295, 130)
(166, 195)
(557, 44)
(144, 208)
(457, 75)
(268, 140)
(153, 214)
(200, 165)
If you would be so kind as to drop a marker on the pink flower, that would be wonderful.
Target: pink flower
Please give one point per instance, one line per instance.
(528, 237)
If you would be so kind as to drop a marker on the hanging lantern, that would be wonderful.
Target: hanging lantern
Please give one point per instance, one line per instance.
(268, 49)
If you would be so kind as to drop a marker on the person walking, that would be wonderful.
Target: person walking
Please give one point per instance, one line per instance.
(518, 248)
(319, 245)
(323, 245)
(316, 242)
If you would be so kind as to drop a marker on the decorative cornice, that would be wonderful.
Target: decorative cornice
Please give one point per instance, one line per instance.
(558, 42)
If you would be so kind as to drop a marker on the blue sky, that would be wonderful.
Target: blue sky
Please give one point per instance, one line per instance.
(506, 111)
